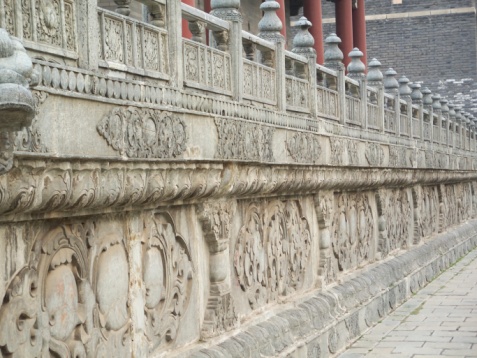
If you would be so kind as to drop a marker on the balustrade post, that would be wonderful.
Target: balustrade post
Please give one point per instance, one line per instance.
(270, 27)
(450, 126)
(416, 98)
(466, 130)
(334, 60)
(445, 118)
(391, 86)
(303, 44)
(174, 29)
(457, 127)
(356, 70)
(436, 108)
(375, 79)
(427, 104)
(229, 10)
(88, 39)
(405, 93)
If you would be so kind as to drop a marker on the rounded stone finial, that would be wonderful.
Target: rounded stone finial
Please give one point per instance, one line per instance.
(416, 94)
(451, 110)
(375, 76)
(356, 67)
(427, 97)
(333, 55)
(270, 24)
(224, 4)
(391, 85)
(404, 89)
(444, 105)
(436, 102)
(458, 114)
(303, 41)
(226, 9)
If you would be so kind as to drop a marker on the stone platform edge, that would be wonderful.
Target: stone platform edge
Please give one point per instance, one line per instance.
(328, 321)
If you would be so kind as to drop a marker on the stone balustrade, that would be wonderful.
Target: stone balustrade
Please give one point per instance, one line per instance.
(218, 196)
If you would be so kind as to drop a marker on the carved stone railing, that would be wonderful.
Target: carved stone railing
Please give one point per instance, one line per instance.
(199, 209)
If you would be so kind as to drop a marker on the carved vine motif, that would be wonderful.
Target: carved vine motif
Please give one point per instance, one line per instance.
(374, 154)
(337, 148)
(29, 138)
(246, 141)
(49, 24)
(304, 148)
(352, 231)
(397, 156)
(144, 133)
(351, 145)
(394, 210)
(272, 251)
(426, 217)
(167, 275)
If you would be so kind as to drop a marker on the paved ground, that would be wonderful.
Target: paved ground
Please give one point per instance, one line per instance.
(439, 321)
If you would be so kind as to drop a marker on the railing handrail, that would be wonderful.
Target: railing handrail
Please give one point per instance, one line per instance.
(247, 36)
(191, 13)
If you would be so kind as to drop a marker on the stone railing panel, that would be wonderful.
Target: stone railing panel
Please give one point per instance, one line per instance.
(296, 82)
(327, 97)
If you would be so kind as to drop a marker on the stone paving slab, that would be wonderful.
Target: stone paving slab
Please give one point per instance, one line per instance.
(438, 321)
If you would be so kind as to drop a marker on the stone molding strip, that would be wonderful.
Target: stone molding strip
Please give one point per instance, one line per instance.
(83, 187)
(405, 15)
(326, 322)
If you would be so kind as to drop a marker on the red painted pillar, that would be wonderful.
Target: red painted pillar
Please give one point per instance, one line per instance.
(281, 16)
(207, 9)
(359, 29)
(312, 11)
(185, 25)
(344, 26)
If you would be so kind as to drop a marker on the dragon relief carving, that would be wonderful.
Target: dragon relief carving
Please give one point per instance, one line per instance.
(167, 276)
(144, 133)
(304, 147)
(374, 154)
(394, 223)
(426, 213)
(352, 231)
(272, 251)
(244, 141)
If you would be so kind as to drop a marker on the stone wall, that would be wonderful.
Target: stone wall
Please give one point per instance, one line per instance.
(172, 198)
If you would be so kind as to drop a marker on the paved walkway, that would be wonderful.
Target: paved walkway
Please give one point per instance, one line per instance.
(439, 321)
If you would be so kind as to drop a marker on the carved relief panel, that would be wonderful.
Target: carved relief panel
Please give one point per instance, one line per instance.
(272, 250)
(426, 212)
(395, 220)
(352, 232)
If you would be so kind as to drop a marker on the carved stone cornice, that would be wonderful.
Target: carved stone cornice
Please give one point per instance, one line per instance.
(37, 186)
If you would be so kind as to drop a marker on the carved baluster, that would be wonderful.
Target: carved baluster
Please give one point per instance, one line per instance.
(427, 104)
(334, 60)
(356, 70)
(436, 109)
(375, 78)
(222, 40)
(249, 48)
(450, 127)
(158, 14)
(220, 315)
(123, 7)
(444, 119)
(197, 30)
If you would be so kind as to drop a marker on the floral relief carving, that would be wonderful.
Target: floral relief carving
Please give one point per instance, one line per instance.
(26, 19)
(113, 41)
(397, 156)
(272, 251)
(351, 146)
(8, 6)
(304, 147)
(352, 231)
(49, 24)
(394, 223)
(241, 140)
(70, 26)
(168, 274)
(374, 154)
(151, 48)
(337, 147)
(144, 133)
(426, 217)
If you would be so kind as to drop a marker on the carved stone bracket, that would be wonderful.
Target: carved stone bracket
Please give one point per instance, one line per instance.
(220, 315)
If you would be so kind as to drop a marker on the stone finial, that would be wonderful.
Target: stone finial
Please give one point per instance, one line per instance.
(416, 94)
(444, 105)
(391, 85)
(333, 55)
(427, 97)
(404, 89)
(226, 9)
(451, 111)
(270, 25)
(17, 107)
(436, 102)
(303, 41)
(375, 76)
(356, 67)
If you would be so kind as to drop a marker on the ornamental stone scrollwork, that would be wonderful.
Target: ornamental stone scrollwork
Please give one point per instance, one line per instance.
(144, 133)
(244, 141)
(48, 309)
(352, 231)
(426, 213)
(272, 251)
(167, 276)
(17, 107)
(395, 221)
(220, 315)
(29, 138)
(304, 147)
(374, 154)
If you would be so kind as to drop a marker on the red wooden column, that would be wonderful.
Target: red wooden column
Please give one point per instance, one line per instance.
(359, 29)
(281, 16)
(344, 27)
(185, 25)
(207, 9)
(312, 11)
